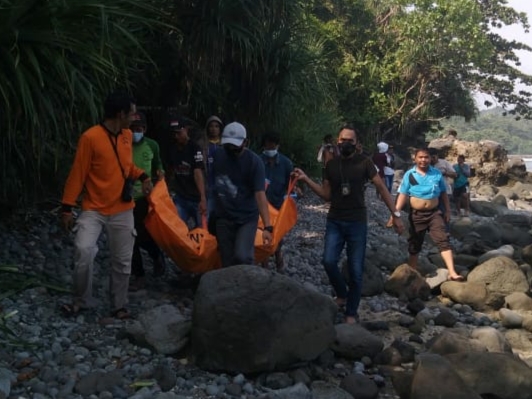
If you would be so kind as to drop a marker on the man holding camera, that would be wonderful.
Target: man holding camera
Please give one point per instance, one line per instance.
(343, 186)
(103, 170)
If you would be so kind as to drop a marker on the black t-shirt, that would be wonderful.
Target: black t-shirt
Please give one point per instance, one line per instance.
(237, 179)
(349, 174)
(183, 162)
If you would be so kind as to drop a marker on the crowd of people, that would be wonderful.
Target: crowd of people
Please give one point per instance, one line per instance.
(220, 184)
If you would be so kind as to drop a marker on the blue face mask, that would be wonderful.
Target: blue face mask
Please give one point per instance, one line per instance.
(137, 136)
(270, 153)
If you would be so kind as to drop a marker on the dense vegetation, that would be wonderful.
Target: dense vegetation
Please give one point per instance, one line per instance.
(495, 124)
(393, 67)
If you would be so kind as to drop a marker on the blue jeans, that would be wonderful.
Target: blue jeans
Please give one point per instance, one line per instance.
(388, 180)
(188, 209)
(236, 241)
(354, 234)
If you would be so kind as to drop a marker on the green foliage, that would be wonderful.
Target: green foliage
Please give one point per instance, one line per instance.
(59, 59)
(392, 67)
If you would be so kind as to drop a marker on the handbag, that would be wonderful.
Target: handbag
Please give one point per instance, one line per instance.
(127, 188)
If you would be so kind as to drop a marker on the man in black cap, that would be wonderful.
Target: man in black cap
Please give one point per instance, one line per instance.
(186, 166)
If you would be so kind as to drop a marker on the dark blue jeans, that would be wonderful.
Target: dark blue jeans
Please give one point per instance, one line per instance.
(337, 234)
(236, 241)
(388, 180)
(188, 209)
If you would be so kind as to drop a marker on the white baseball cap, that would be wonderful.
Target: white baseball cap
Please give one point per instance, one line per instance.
(234, 133)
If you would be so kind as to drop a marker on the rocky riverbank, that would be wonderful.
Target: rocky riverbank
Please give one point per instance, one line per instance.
(44, 355)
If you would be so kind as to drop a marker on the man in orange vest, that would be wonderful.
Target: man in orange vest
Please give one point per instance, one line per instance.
(104, 171)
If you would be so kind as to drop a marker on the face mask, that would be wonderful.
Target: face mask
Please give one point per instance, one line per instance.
(137, 136)
(346, 148)
(270, 153)
(232, 150)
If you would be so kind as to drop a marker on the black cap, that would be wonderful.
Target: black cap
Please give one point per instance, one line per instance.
(139, 119)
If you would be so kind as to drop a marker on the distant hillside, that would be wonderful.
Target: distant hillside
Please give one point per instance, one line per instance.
(514, 135)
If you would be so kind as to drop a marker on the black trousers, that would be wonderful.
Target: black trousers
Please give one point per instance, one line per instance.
(143, 239)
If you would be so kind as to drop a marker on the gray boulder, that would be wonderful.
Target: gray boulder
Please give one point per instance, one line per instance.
(360, 386)
(505, 250)
(518, 301)
(492, 339)
(467, 293)
(453, 341)
(163, 329)
(354, 342)
(485, 208)
(434, 377)
(527, 254)
(502, 277)
(407, 283)
(297, 391)
(497, 375)
(510, 319)
(247, 319)
(327, 390)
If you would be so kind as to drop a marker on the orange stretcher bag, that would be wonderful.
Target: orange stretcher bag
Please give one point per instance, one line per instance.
(194, 251)
(282, 221)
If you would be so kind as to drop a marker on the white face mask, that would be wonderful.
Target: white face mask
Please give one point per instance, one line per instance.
(137, 136)
(270, 153)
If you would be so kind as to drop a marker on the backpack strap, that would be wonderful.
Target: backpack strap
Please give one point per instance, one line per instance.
(412, 180)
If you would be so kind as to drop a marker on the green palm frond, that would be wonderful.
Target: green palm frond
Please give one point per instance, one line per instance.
(58, 59)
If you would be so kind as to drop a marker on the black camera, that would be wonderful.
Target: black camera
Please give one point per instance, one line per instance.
(346, 189)
(127, 190)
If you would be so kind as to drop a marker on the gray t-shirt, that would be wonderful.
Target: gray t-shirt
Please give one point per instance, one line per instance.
(236, 180)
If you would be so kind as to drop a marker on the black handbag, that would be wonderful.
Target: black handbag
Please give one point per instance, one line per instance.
(127, 189)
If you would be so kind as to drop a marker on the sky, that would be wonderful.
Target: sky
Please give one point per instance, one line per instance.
(515, 32)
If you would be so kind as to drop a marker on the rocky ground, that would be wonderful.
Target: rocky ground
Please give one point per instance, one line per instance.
(45, 355)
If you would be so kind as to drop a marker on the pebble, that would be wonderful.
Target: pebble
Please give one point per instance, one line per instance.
(67, 349)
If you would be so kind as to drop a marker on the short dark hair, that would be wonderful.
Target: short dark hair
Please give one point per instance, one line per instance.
(349, 126)
(271, 136)
(422, 149)
(116, 102)
(433, 151)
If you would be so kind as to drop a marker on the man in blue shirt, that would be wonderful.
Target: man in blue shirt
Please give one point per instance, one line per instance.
(424, 187)
(461, 185)
(239, 198)
(278, 169)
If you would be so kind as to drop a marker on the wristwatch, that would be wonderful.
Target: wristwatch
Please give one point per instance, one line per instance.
(397, 214)
(268, 229)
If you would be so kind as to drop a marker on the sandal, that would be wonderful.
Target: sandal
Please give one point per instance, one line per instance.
(457, 278)
(121, 314)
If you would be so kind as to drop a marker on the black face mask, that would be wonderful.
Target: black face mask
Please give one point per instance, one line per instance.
(232, 150)
(346, 148)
